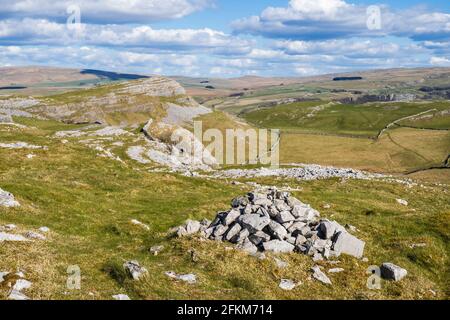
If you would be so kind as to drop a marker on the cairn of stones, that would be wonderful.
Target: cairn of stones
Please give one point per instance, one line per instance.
(274, 221)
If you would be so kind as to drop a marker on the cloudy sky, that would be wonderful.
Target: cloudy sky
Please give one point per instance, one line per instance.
(225, 38)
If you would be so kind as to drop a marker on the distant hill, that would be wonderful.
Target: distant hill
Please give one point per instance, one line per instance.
(372, 79)
(49, 80)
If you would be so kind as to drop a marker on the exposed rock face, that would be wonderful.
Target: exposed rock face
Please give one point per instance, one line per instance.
(154, 97)
(15, 107)
(172, 146)
(5, 118)
(179, 115)
(379, 98)
(155, 87)
(276, 222)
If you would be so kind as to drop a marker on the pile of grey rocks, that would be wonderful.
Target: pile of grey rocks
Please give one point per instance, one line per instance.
(274, 221)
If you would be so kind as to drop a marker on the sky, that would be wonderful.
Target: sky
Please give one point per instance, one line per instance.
(226, 38)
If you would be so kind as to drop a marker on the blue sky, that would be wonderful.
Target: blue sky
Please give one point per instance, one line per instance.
(226, 38)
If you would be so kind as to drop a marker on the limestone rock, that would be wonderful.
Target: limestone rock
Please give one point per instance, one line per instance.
(12, 237)
(7, 199)
(287, 284)
(34, 235)
(278, 246)
(134, 269)
(349, 244)
(189, 278)
(390, 271)
(320, 276)
(254, 222)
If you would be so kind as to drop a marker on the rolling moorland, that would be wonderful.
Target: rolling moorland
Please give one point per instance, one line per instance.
(108, 194)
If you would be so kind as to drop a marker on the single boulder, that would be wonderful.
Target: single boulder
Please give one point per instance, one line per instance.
(285, 216)
(276, 230)
(390, 271)
(134, 269)
(192, 227)
(287, 284)
(189, 278)
(320, 276)
(233, 231)
(278, 246)
(259, 237)
(348, 244)
(7, 199)
(241, 237)
(327, 229)
(254, 222)
(231, 216)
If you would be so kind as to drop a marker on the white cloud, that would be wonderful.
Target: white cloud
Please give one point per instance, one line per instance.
(440, 61)
(105, 11)
(351, 47)
(331, 19)
(41, 31)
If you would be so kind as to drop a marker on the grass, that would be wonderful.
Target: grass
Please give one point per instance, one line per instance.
(399, 151)
(88, 202)
(354, 120)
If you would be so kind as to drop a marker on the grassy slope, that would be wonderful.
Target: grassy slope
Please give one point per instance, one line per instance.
(399, 150)
(88, 203)
(360, 120)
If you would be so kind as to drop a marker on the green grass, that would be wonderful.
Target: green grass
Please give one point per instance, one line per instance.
(88, 202)
(357, 120)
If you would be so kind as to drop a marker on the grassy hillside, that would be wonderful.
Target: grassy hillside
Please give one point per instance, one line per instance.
(88, 201)
(358, 120)
(399, 151)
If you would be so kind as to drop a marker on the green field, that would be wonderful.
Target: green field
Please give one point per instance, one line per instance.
(88, 201)
(357, 120)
